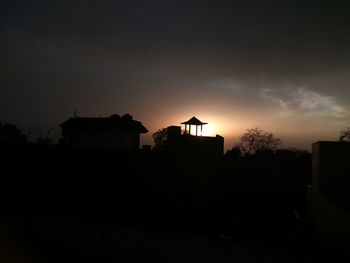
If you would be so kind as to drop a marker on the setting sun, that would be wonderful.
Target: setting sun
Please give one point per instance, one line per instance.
(207, 130)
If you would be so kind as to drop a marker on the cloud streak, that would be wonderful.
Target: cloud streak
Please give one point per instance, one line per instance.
(303, 101)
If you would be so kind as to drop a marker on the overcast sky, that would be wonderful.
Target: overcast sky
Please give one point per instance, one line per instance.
(282, 66)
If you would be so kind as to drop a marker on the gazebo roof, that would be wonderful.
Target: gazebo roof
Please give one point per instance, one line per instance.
(194, 121)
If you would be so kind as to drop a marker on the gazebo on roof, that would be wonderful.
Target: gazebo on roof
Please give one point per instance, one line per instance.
(193, 121)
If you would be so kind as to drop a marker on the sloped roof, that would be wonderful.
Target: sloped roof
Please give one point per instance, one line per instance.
(194, 121)
(115, 121)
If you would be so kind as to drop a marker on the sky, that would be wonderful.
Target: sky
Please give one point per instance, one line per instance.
(282, 66)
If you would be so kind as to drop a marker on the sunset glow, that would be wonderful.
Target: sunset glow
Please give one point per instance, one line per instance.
(207, 130)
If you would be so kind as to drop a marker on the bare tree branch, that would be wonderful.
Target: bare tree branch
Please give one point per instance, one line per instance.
(345, 135)
(43, 134)
(254, 140)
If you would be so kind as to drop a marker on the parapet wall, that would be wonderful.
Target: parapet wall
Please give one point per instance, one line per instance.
(187, 145)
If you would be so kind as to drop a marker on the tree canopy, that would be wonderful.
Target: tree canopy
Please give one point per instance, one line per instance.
(255, 139)
(10, 134)
(159, 138)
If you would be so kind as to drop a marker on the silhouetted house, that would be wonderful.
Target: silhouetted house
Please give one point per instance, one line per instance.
(114, 133)
(187, 144)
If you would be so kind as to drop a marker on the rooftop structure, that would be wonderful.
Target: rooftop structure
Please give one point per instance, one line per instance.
(114, 132)
(185, 144)
(193, 122)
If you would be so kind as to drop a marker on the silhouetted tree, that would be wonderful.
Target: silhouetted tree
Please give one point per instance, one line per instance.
(159, 138)
(345, 135)
(43, 135)
(234, 152)
(10, 134)
(254, 140)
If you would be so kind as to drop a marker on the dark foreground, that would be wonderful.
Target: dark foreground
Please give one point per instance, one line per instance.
(85, 206)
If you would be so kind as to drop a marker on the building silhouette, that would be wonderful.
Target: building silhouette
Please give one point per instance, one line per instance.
(112, 133)
(329, 197)
(186, 144)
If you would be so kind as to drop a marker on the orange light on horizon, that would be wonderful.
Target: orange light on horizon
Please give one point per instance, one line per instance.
(217, 124)
(207, 130)
(228, 127)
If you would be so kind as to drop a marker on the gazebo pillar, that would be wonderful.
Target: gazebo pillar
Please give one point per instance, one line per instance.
(194, 121)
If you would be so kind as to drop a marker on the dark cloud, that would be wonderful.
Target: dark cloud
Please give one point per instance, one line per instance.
(139, 56)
